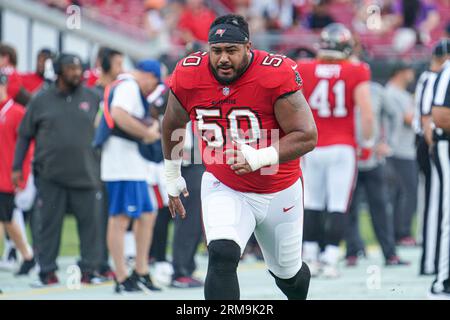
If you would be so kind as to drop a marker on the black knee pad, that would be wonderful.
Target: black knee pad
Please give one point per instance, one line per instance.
(221, 280)
(224, 255)
(295, 288)
(335, 228)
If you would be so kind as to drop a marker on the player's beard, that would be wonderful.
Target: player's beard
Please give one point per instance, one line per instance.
(239, 71)
(72, 83)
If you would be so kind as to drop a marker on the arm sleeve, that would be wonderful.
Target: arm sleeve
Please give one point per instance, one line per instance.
(427, 97)
(390, 120)
(23, 96)
(441, 89)
(289, 79)
(28, 126)
(176, 88)
(362, 74)
(22, 146)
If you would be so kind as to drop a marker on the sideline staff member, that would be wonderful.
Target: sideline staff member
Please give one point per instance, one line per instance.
(60, 119)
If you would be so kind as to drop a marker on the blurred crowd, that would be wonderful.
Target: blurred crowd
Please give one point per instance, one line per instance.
(402, 25)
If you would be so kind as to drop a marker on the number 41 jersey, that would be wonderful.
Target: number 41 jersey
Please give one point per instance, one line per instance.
(239, 113)
(329, 88)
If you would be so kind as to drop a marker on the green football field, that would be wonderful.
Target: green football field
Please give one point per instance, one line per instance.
(370, 279)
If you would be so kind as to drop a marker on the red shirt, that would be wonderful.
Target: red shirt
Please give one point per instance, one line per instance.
(247, 105)
(197, 22)
(11, 115)
(329, 89)
(32, 81)
(14, 81)
(91, 76)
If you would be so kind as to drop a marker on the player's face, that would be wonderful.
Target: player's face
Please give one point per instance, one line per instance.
(228, 60)
(40, 66)
(148, 82)
(4, 60)
(408, 75)
(71, 75)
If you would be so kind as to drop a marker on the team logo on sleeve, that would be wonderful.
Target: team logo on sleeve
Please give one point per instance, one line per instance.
(298, 79)
(220, 32)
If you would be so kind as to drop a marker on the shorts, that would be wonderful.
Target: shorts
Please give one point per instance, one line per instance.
(6, 206)
(330, 174)
(128, 197)
(275, 218)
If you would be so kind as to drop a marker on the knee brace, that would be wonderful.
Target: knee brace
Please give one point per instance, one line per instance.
(221, 280)
(295, 288)
(335, 222)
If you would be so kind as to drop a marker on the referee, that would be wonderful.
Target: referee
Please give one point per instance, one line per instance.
(440, 288)
(424, 143)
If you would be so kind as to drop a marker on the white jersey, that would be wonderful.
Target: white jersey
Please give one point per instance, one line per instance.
(121, 160)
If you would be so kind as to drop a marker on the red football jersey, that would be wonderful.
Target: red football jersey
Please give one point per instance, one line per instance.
(241, 112)
(11, 115)
(91, 76)
(32, 81)
(329, 88)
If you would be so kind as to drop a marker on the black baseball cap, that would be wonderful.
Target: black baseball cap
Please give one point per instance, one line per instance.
(442, 48)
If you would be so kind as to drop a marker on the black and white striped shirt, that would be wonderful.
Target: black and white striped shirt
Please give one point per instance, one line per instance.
(441, 87)
(441, 96)
(423, 98)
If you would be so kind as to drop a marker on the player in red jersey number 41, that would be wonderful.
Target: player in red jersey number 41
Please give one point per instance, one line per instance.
(334, 86)
(253, 124)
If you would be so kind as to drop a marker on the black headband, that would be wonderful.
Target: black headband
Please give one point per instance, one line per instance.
(227, 33)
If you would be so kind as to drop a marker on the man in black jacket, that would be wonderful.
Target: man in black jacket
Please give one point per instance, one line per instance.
(61, 121)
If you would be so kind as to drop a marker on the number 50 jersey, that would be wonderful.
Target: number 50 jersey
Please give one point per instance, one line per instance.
(241, 112)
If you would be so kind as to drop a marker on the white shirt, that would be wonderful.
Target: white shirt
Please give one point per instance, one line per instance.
(121, 160)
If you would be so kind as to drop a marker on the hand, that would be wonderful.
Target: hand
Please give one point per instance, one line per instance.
(382, 150)
(174, 189)
(175, 205)
(152, 133)
(17, 178)
(236, 160)
(364, 153)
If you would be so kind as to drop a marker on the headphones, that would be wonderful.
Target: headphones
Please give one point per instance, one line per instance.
(57, 64)
(105, 62)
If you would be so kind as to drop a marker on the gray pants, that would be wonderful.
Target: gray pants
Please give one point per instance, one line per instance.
(188, 232)
(402, 178)
(53, 202)
(371, 184)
